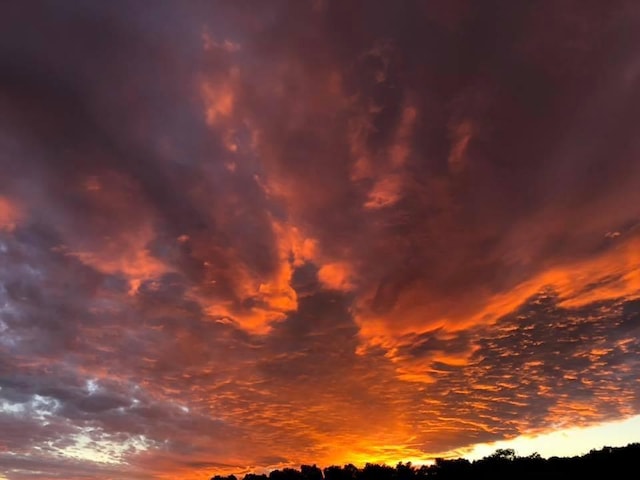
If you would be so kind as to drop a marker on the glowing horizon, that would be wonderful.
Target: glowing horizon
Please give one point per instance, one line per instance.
(566, 442)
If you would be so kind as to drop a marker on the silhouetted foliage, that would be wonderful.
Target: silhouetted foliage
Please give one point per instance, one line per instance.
(311, 472)
(620, 462)
(229, 477)
(348, 472)
(253, 476)
(405, 471)
(456, 468)
(286, 474)
(372, 471)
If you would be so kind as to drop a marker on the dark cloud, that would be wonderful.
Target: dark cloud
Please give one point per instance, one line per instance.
(237, 235)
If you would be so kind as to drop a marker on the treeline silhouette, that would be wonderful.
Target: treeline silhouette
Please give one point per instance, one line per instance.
(616, 462)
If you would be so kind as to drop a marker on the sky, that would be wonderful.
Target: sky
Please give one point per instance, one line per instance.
(242, 235)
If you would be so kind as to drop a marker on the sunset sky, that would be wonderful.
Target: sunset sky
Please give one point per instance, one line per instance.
(242, 235)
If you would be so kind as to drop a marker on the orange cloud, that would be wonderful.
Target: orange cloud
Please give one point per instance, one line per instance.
(388, 171)
(209, 43)
(401, 148)
(219, 96)
(359, 128)
(273, 297)
(128, 255)
(10, 214)
(219, 102)
(336, 276)
(385, 192)
(609, 275)
(126, 249)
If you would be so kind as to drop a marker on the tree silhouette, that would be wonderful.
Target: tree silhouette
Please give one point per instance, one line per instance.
(619, 462)
(311, 472)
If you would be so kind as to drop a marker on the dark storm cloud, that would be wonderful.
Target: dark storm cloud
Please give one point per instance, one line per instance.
(241, 234)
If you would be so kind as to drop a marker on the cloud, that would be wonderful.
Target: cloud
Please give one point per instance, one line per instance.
(241, 236)
(9, 214)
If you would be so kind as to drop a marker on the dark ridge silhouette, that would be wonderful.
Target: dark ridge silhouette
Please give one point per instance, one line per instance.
(619, 462)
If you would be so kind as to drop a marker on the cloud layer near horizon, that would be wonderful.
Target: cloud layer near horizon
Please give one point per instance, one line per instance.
(236, 235)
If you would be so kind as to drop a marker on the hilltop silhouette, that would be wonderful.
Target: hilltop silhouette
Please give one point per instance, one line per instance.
(622, 462)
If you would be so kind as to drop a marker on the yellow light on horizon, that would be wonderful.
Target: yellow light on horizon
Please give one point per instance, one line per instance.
(566, 442)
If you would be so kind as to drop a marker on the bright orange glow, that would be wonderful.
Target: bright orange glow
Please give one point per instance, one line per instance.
(335, 276)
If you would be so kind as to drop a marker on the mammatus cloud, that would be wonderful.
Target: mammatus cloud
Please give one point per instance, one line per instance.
(235, 236)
